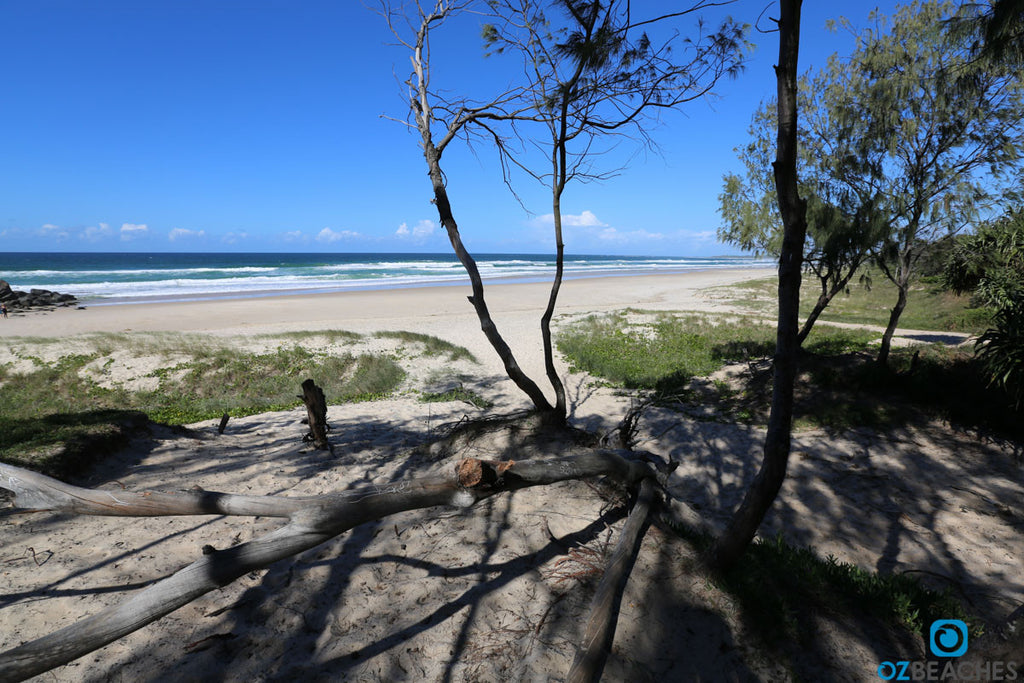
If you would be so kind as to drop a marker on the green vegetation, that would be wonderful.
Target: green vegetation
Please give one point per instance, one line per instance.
(432, 346)
(837, 388)
(58, 412)
(665, 354)
(989, 264)
(930, 306)
(783, 590)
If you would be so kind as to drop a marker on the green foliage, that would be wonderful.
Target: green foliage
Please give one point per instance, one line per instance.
(457, 394)
(432, 346)
(782, 588)
(54, 417)
(902, 143)
(663, 355)
(1001, 351)
(990, 264)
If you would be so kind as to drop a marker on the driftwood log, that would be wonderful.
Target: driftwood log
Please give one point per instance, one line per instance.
(316, 410)
(310, 522)
(604, 608)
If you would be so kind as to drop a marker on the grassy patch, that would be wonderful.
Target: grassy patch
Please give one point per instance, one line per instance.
(53, 415)
(664, 355)
(457, 394)
(432, 346)
(838, 387)
(929, 307)
(782, 588)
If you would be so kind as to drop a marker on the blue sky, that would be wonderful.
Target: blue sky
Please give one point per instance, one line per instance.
(260, 125)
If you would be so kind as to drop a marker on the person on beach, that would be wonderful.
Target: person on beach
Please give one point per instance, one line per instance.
(3, 310)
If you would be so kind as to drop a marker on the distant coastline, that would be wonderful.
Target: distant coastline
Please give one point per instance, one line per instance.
(124, 278)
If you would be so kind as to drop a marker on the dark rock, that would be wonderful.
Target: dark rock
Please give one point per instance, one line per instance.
(34, 298)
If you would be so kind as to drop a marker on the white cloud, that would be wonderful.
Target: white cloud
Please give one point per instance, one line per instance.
(620, 237)
(586, 219)
(423, 229)
(96, 233)
(295, 236)
(53, 232)
(234, 237)
(130, 231)
(328, 235)
(182, 233)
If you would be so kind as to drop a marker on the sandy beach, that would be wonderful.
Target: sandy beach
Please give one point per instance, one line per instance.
(499, 591)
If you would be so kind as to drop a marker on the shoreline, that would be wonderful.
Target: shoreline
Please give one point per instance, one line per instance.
(402, 306)
(374, 285)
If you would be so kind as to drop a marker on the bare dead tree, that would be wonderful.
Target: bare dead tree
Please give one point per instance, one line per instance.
(729, 546)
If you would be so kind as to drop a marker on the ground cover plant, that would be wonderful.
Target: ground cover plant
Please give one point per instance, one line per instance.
(868, 300)
(675, 357)
(56, 407)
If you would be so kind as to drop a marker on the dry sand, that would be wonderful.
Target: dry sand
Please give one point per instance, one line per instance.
(498, 592)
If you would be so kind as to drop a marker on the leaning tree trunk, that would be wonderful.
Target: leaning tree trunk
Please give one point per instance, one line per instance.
(902, 285)
(423, 114)
(827, 294)
(556, 285)
(490, 330)
(744, 524)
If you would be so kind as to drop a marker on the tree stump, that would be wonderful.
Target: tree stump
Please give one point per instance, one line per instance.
(316, 410)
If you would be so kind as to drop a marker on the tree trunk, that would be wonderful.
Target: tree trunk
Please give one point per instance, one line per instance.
(316, 412)
(559, 411)
(490, 330)
(730, 545)
(827, 294)
(902, 285)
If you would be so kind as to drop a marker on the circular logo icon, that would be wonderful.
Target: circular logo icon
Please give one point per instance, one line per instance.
(948, 638)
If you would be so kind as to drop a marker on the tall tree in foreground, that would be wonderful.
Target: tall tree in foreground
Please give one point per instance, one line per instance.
(592, 75)
(728, 548)
(935, 134)
(589, 71)
(430, 111)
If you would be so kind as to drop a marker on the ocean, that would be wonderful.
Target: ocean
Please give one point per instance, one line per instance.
(111, 278)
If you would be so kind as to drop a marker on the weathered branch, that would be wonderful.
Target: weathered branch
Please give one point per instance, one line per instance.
(604, 611)
(35, 492)
(312, 521)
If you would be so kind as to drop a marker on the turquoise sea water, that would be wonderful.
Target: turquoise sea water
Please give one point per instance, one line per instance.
(119, 278)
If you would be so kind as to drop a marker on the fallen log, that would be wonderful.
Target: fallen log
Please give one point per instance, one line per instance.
(604, 608)
(311, 521)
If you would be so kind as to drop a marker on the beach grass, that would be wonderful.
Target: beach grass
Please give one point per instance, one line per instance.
(839, 386)
(58, 401)
(783, 590)
(869, 302)
(430, 345)
(666, 353)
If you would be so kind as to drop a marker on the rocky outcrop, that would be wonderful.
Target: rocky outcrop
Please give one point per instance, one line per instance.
(33, 299)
